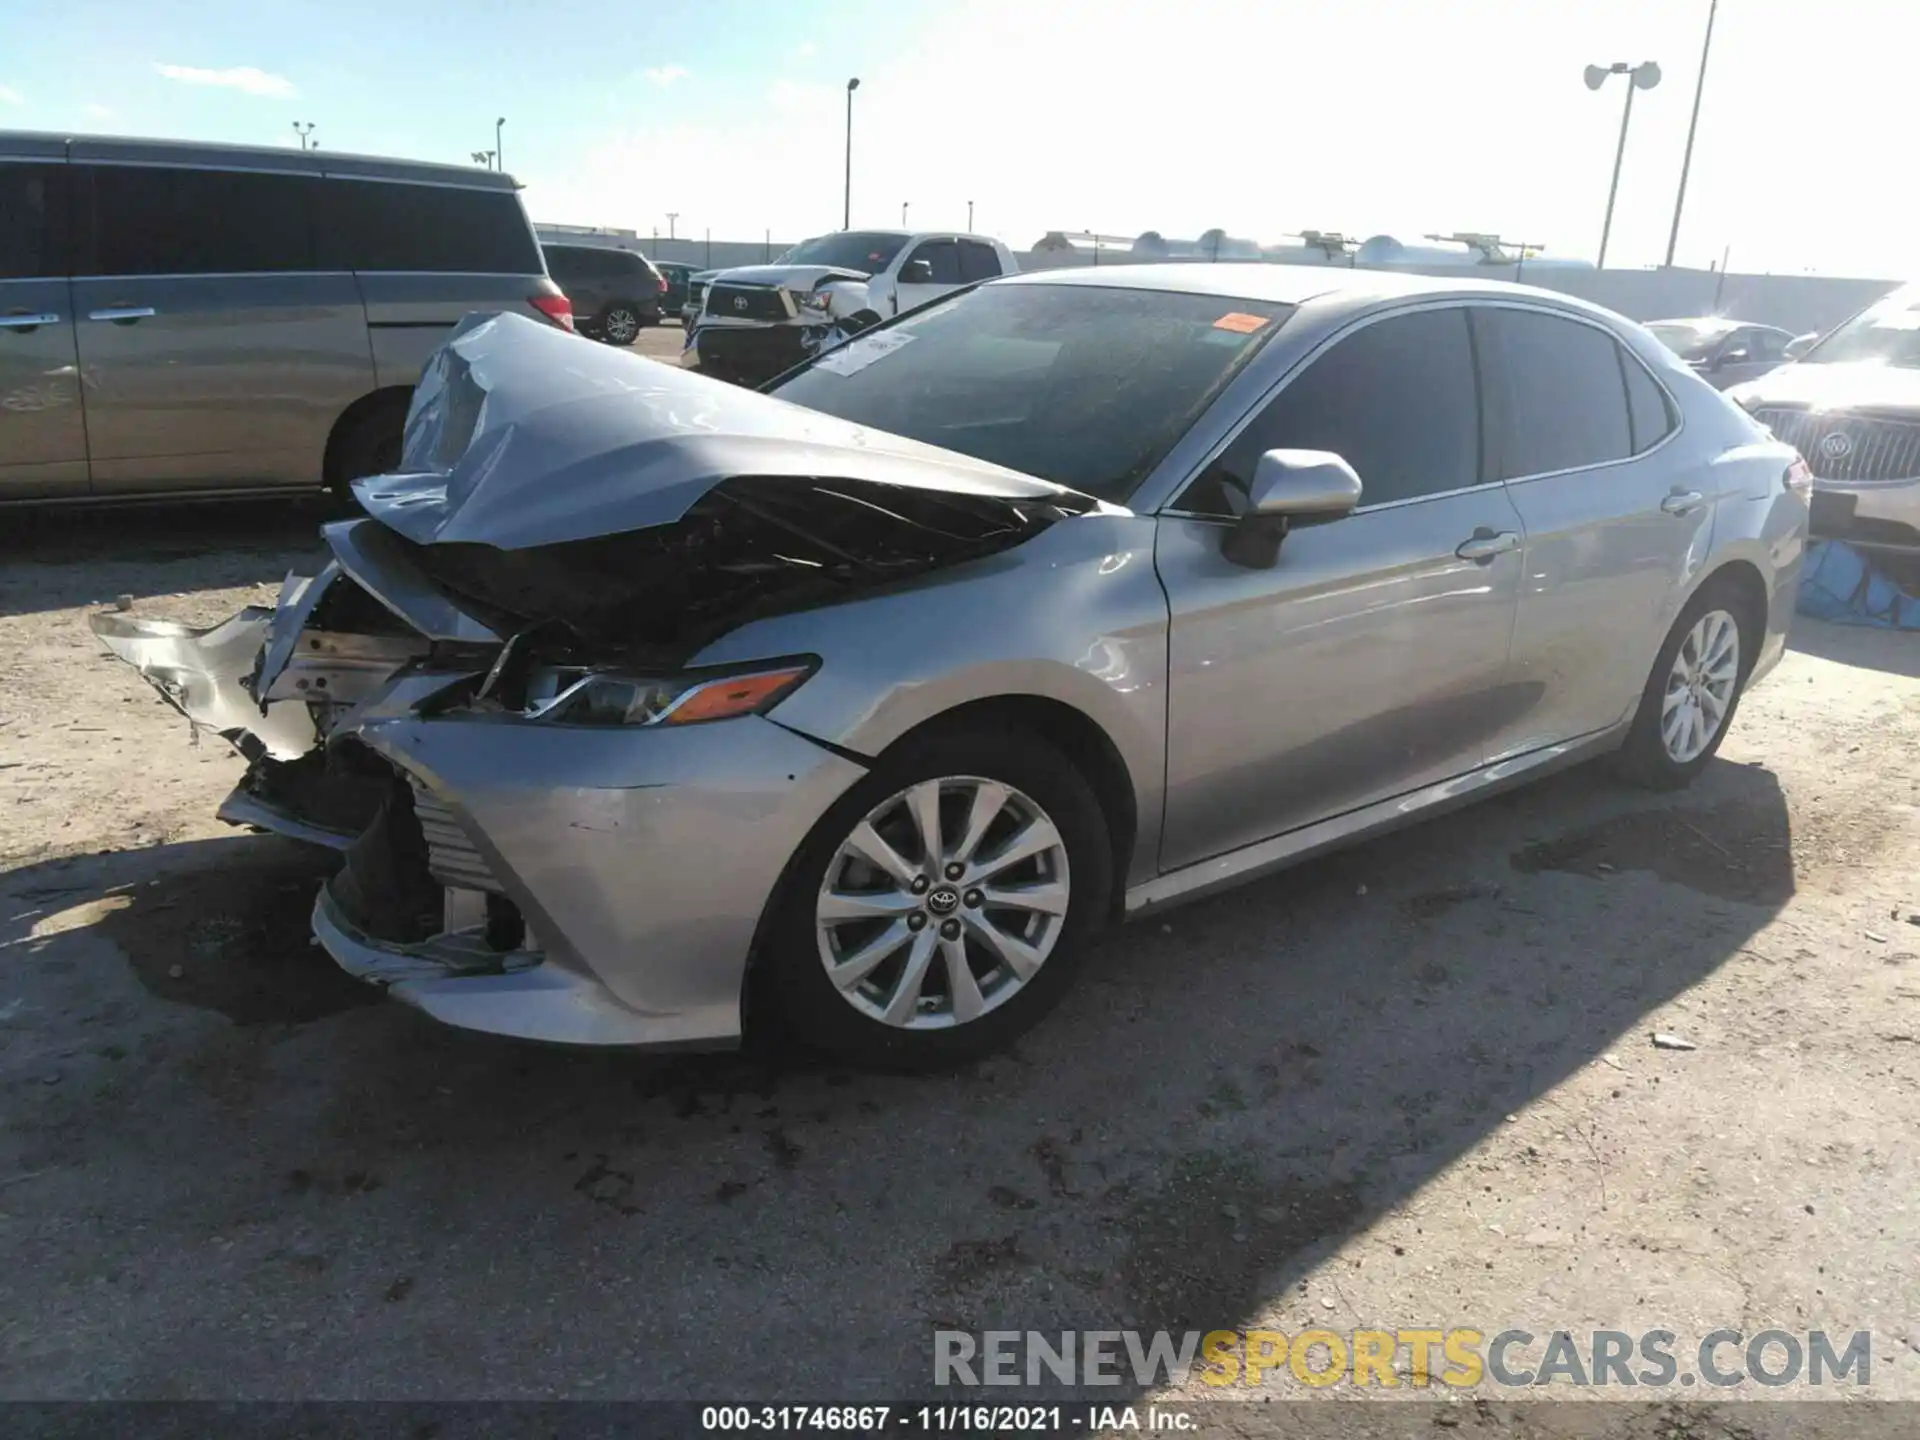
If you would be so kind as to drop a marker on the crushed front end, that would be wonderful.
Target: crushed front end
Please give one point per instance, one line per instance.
(555, 821)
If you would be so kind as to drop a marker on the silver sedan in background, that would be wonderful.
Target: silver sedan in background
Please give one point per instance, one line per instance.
(647, 710)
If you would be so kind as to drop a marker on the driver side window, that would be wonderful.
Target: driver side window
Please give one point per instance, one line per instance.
(942, 257)
(1397, 398)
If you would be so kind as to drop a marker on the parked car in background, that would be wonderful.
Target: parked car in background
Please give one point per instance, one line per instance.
(1851, 406)
(758, 320)
(674, 298)
(856, 706)
(1724, 352)
(615, 293)
(696, 296)
(246, 320)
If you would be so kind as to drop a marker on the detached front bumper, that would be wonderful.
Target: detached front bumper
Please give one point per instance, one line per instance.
(1881, 514)
(634, 864)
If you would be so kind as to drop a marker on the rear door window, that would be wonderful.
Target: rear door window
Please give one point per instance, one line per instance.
(1649, 412)
(167, 220)
(978, 262)
(33, 221)
(1562, 399)
(397, 226)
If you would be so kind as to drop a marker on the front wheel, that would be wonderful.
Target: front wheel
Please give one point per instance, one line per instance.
(939, 909)
(1693, 692)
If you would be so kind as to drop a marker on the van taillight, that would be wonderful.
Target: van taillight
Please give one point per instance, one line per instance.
(661, 281)
(1799, 478)
(556, 308)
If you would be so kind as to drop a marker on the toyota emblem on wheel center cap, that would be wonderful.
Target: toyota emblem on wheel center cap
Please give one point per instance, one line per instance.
(1837, 445)
(943, 900)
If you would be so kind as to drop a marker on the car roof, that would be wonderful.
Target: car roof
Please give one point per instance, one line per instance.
(1287, 284)
(123, 149)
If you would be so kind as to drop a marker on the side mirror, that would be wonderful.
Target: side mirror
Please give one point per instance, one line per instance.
(1290, 488)
(917, 272)
(1736, 356)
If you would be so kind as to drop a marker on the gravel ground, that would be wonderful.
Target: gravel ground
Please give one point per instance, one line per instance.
(1411, 1084)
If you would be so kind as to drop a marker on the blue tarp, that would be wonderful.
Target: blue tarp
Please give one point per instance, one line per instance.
(1843, 585)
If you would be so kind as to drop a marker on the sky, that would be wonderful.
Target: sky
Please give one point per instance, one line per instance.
(1260, 117)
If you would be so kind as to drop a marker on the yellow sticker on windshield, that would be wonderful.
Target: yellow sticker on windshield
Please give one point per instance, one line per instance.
(1239, 323)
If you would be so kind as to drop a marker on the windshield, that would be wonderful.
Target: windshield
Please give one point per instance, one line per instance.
(1689, 342)
(868, 251)
(1082, 385)
(1884, 334)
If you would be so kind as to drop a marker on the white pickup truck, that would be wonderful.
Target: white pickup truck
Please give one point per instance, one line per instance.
(758, 320)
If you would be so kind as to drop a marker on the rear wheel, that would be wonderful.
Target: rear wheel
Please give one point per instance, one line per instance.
(939, 909)
(619, 324)
(1693, 692)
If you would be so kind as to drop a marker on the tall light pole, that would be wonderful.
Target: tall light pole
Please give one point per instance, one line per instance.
(903, 213)
(846, 206)
(672, 215)
(1686, 164)
(1639, 77)
(499, 155)
(303, 128)
(969, 217)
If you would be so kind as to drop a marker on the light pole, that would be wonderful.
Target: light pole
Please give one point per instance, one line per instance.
(303, 128)
(969, 217)
(1639, 77)
(903, 214)
(846, 206)
(1686, 164)
(672, 215)
(499, 155)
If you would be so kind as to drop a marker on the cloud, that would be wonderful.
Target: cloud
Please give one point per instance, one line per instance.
(96, 111)
(243, 78)
(11, 96)
(807, 50)
(665, 74)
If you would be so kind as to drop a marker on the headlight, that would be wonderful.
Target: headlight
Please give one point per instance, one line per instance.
(814, 302)
(574, 696)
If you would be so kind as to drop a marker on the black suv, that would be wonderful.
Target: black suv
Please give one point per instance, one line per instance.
(614, 292)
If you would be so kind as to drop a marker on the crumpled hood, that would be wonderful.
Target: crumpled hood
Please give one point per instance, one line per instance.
(521, 435)
(794, 277)
(1834, 387)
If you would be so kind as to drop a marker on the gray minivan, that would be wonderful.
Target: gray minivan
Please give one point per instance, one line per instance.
(219, 320)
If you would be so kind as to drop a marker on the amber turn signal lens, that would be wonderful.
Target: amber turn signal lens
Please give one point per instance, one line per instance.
(735, 695)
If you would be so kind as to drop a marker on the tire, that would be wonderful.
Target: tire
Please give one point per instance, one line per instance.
(619, 324)
(801, 939)
(863, 320)
(1662, 756)
(370, 445)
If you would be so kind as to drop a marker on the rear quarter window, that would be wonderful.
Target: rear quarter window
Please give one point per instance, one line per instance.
(388, 225)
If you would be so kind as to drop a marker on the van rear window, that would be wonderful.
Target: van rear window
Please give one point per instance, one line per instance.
(393, 225)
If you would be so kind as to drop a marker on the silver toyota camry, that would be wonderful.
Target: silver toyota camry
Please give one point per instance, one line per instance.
(645, 709)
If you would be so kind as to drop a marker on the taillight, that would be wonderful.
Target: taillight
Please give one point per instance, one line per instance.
(661, 281)
(1799, 478)
(556, 308)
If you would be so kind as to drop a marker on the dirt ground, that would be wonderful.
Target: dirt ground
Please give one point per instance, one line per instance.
(1411, 1084)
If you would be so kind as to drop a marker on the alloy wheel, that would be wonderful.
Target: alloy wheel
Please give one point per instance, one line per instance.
(943, 903)
(1700, 686)
(622, 326)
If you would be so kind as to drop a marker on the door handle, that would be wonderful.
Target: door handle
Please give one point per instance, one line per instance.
(1683, 502)
(122, 314)
(27, 322)
(1486, 544)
